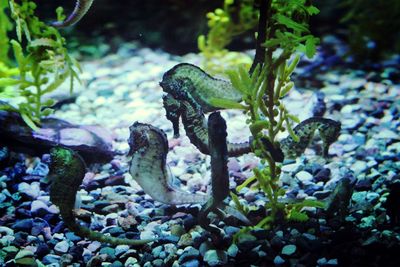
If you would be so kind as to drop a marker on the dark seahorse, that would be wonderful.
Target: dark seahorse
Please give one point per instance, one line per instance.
(329, 131)
(148, 151)
(81, 8)
(195, 125)
(189, 90)
(219, 170)
(67, 171)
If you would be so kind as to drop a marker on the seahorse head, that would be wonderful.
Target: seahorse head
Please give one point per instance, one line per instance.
(143, 135)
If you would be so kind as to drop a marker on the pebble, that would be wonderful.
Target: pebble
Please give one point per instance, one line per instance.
(216, 257)
(62, 247)
(278, 260)
(289, 250)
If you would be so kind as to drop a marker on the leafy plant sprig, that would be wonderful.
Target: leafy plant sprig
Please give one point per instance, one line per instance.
(286, 33)
(43, 63)
(233, 19)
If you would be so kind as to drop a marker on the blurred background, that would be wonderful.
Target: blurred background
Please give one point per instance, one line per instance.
(370, 27)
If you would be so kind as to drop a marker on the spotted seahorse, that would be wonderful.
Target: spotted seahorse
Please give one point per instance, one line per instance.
(189, 90)
(81, 8)
(148, 151)
(67, 171)
(329, 131)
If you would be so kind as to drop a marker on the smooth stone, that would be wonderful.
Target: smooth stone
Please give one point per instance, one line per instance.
(332, 262)
(32, 191)
(359, 167)
(367, 222)
(386, 134)
(110, 252)
(291, 167)
(62, 247)
(6, 231)
(233, 250)
(189, 254)
(323, 175)
(41, 169)
(40, 208)
(304, 176)
(121, 249)
(289, 250)
(322, 194)
(190, 263)
(216, 257)
(24, 225)
(278, 260)
(23, 253)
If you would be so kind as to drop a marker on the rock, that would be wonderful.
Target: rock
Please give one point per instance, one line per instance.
(62, 247)
(25, 258)
(246, 242)
(115, 180)
(215, 257)
(39, 208)
(6, 231)
(322, 194)
(191, 263)
(88, 140)
(110, 252)
(233, 250)
(278, 260)
(30, 191)
(121, 249)
(367, 222)
(387, 134)
(24, 225)
(40, 169)
(304, 177)
(323, 175)
(359, 167)
(363, 184)
(289, 250)
(189, 253)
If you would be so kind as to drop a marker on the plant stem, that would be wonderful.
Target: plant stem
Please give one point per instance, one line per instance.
(259, 57)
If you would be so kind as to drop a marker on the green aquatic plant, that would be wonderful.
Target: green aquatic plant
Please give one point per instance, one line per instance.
(233, 19)
(42, 63)
(5, 27)
(283, 31)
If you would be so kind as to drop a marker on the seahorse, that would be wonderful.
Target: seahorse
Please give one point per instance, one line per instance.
(189, 90)
(148, 152)
(81, 8)
(329, 131)
(219, 170)
(67, 171)
(195, 125)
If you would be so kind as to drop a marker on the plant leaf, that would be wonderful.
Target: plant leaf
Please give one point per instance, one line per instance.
(227, 104)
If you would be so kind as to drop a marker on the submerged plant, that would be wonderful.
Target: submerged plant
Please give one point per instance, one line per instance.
(234, 18)
(42, 63)
(283, 31)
